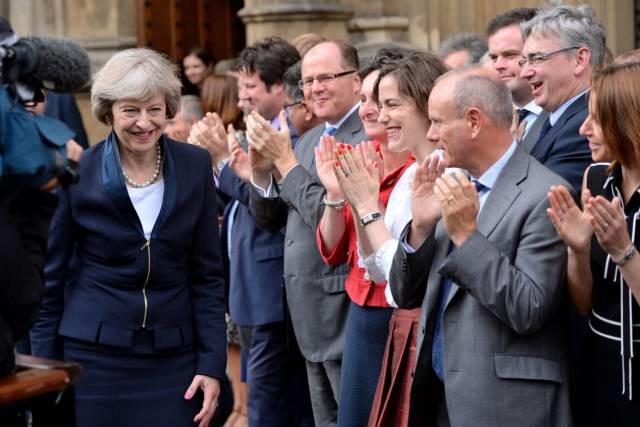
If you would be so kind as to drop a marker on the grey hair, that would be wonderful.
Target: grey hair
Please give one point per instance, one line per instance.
(476, 89)
(472, 43)
(190, 108)
(570, 26)
(290, 79)
(135, 74)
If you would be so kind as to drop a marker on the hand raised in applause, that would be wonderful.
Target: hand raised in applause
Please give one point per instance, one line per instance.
(425, 208)
(572, 223)
(325, 160)
(458, 199)
(360, 184)
(209, 133)
(274, 145)
(239, 160)
(609, 225)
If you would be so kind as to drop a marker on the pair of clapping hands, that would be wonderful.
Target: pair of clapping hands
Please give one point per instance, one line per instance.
(598, 216)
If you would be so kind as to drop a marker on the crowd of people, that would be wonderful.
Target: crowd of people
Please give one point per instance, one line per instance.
(405, 239)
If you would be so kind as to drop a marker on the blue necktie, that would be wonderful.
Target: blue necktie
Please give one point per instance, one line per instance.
(437, 362)
(545, 128)
(522, 114)
(330, 131)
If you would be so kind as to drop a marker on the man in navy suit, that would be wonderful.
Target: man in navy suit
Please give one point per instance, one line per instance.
(562, 46)
(276, 375)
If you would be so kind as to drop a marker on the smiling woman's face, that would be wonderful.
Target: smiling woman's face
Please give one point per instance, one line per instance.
(195, 70)
(139, 124)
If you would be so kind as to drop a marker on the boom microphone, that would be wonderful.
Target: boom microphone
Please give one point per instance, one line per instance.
(55, 64)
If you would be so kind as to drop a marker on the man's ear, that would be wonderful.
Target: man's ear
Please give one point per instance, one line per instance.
(473, 118)
(583, 61)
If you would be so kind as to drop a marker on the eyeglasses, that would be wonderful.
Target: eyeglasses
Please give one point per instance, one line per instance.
(288, 107)
(538, 58)
(323, 79)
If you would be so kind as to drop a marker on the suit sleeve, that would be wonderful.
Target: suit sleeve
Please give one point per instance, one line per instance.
(524, 293)
(45, 341)
(270, 214)
(232, 186)
(207, 286)
(304, 192)
(409, 272)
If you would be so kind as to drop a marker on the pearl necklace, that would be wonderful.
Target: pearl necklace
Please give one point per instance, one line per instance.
(156, 172)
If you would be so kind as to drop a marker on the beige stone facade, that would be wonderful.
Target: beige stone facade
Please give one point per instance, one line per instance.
(106, 26)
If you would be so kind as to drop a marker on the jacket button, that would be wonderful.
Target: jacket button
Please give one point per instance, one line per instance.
(289, 242)
(423, 330)
(412, 373)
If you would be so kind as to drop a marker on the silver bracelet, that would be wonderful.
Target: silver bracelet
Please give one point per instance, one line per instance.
(335, 204)
(631, 251)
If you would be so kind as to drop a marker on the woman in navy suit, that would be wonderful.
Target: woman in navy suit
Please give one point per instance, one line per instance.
(143, 311)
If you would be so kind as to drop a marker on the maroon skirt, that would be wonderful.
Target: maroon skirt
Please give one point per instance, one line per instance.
(391, 402)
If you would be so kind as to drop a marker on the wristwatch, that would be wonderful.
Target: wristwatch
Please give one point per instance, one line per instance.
(369, 218)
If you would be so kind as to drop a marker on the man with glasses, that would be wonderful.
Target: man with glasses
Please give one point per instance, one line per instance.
(562, 46)
(298, 110)
(315, 291)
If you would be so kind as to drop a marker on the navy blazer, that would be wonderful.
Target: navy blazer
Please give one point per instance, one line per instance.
(170, 284)
(563, 149)
(256, 263)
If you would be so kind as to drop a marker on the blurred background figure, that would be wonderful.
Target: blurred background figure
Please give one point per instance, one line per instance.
(462, 49)
(196, 66)
(190, 112)
(304, 42)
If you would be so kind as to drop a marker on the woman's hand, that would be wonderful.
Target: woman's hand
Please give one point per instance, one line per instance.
(572, 224)
(373, 161)
(609, 225)
(324, 166)
(211, 389)
(360, 185)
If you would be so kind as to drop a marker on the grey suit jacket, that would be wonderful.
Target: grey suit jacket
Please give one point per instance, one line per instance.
(503, 338)
(317, 300)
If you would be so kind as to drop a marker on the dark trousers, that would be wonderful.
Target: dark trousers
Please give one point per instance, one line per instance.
(276, 376)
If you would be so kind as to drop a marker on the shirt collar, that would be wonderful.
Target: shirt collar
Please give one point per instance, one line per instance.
(554, 116)
(343, 119)
(534, 108)
(488, 179)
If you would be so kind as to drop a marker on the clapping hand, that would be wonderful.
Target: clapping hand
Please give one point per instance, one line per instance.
(274, 145)
(359, 184)
(325, 160)
(572, 223)
(425, 208)
(609, 225)
(210, 134)
(239, 160)
(458, 200)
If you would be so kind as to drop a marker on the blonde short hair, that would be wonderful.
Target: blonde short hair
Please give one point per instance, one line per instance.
(138, 74)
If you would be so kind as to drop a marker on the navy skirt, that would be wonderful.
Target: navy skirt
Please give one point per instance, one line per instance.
(121, 388)
(364, 345)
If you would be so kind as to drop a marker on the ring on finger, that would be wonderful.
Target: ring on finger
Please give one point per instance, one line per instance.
(605, 226)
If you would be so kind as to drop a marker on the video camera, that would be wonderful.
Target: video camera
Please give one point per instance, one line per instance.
(33, 148)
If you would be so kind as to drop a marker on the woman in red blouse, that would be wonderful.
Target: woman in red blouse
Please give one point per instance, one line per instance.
(369, 313)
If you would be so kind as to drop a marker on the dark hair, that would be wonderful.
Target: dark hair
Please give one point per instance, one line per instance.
(290, 79)
(512, 17)
(220, 95)
(416, 76)
(384, 56)
(205, 56)
(270, 58)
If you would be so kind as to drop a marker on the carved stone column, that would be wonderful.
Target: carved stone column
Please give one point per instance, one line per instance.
(291, 18)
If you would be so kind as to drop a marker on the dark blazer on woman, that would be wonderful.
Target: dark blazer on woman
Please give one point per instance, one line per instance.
(170, 285)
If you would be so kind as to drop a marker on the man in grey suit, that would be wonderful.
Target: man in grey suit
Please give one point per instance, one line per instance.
(488, 270)
(315, 291)
(505, 42)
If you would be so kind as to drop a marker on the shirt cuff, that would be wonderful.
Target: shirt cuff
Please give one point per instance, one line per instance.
(269, 193)
(405, 245)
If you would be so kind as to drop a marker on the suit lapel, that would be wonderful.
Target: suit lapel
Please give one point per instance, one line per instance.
(540, 148)
(503, 194)
(534, 132)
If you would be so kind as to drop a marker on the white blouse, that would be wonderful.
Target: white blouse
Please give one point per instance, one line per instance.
(147, 201)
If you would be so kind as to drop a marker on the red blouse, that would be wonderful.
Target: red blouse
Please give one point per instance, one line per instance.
(360, 288)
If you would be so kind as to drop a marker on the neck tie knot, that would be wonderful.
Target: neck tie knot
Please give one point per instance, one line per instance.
(330, 131)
